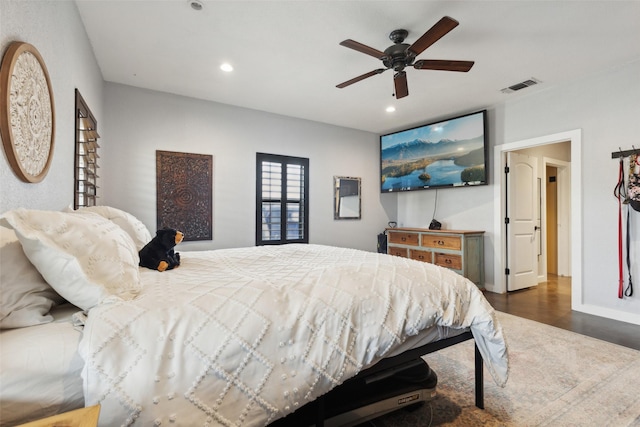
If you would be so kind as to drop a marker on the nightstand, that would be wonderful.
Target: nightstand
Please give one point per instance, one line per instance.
(84, 417)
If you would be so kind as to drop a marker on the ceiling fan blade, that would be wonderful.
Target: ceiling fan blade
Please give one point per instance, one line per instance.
(433, 34)
(363, 48)
(400, 82)
(362, 77)
(444, 65)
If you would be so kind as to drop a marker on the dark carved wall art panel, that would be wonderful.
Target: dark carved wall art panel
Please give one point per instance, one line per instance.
(184, 185)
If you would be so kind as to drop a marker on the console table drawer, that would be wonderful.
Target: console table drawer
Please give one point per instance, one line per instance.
(404, 238)
(418, 255)
(442, 242)
(394, 250)
(448, 260)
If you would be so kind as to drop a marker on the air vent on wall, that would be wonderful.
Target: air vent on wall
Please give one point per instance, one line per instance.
(518, 86)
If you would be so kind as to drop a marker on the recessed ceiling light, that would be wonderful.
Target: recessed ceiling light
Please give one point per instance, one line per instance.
(196, 4)
(391, 109)
(226, 67)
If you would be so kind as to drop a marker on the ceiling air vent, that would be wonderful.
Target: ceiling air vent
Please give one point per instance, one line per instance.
(532, 81)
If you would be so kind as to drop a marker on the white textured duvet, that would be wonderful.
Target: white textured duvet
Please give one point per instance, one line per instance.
(245, 336)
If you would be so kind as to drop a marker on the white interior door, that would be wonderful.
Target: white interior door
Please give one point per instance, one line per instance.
(522, 232)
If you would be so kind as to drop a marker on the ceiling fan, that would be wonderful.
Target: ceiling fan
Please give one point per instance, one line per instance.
(401, 55)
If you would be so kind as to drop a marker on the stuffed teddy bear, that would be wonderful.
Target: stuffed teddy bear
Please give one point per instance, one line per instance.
(158, 254)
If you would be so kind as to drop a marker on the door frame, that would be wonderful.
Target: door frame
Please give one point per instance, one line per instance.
(564, 209)
(575, 139)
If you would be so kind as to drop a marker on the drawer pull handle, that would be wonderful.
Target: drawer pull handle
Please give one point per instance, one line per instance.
(420, 257)
(439, 242)
(447, 261)
(404, 239)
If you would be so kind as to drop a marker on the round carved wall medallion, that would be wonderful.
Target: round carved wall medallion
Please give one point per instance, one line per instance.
(27, 112)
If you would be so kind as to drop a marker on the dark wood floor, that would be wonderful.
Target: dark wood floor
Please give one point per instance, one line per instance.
(550, 303)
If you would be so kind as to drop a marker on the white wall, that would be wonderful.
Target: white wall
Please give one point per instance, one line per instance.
(559, 151)
(56, 30)
(606, 108)
(461, 208)
(139, 122)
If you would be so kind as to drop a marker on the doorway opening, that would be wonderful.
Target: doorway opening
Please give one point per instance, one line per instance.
(538, 180)
(568, 206)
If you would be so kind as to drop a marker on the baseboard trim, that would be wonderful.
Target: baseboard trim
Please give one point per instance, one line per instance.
(608, 313)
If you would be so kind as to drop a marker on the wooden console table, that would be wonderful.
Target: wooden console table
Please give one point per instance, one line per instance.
(459, 250)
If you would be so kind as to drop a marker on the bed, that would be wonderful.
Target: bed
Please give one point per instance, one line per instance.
(241, 336)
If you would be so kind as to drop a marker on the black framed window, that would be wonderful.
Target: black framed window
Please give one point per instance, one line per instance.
(282, 199)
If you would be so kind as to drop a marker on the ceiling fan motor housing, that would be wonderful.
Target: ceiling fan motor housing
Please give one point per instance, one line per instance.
(398, 57)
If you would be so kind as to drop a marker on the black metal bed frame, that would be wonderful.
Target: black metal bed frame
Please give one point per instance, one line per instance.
(392, 363)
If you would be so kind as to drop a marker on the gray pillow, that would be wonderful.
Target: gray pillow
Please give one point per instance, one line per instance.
(25, 297)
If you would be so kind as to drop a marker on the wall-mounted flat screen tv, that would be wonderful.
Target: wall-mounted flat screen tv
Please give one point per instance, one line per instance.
(448, 153)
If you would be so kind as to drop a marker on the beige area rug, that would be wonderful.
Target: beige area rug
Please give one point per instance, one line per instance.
(557, 378)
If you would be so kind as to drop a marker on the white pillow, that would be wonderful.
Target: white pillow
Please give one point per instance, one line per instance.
(85, 258)
(129, 223)
(25, 297)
